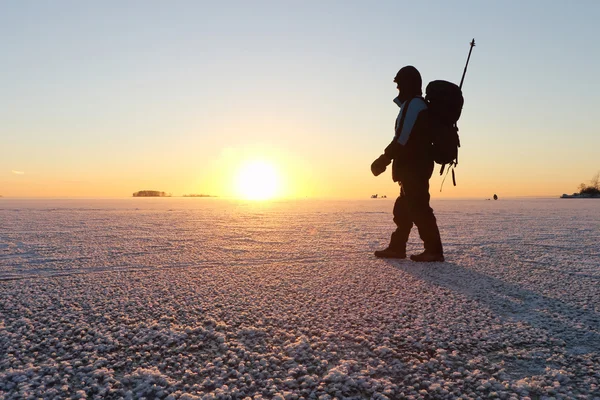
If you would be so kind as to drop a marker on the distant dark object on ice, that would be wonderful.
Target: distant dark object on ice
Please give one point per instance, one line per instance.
(495, 197)
(375, 196)
(151, 193)
(198, 195)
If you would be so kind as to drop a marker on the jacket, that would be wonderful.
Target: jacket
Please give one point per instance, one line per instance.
(411, 147)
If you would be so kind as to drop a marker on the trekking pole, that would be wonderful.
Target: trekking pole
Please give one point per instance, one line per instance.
(467, 64)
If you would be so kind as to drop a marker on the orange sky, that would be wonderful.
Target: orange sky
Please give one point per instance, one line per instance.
(99, 101)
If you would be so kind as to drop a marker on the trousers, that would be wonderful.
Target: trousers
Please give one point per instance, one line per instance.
(412, 208)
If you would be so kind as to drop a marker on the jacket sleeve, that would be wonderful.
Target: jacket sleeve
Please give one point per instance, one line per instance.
(392, 150)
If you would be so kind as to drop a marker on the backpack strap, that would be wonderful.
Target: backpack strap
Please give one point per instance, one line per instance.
(452, 165)
(457, 137)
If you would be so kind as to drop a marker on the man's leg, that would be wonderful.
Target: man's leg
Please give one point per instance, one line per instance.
(403, 221)
(397, 247)
(417, 194)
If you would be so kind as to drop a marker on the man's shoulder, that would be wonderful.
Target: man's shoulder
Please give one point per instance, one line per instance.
(419, 101)
(416, 105)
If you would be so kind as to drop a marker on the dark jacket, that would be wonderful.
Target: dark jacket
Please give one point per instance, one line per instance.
(411, 147)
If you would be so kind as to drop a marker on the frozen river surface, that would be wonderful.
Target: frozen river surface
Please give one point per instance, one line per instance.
(206, 298)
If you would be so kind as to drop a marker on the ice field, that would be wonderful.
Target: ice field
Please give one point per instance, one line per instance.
(203, 298)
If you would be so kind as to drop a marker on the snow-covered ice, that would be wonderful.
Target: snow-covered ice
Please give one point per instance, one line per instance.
(216, 299)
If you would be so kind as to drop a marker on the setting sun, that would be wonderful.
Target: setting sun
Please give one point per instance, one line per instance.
(257, 180)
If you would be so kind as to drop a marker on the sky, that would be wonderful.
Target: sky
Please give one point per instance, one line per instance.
(102, 99)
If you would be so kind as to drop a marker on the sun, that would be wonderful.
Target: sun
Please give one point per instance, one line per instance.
(257, 180)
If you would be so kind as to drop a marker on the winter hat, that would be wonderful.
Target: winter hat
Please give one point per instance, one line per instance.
(409, 81)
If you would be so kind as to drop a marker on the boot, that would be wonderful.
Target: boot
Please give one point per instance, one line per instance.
(390, 252)
(428, 256)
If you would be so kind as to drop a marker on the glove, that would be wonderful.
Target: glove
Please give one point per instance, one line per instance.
(379, 165)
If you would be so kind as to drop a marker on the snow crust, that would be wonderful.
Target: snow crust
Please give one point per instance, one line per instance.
(215, 299)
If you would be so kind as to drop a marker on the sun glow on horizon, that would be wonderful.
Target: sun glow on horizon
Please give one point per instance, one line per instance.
(257, 180)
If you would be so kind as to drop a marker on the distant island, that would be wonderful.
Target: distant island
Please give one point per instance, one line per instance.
(151, 193)
(198, 195)
(591, 191)
(580, 196)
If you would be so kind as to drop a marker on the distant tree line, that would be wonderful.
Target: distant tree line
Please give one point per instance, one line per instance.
(593, 188)
(151, 193)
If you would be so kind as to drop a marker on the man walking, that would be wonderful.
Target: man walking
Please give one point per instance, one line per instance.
(413, 165)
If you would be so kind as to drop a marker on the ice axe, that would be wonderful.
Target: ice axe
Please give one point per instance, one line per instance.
(467, 64)
(462, 79)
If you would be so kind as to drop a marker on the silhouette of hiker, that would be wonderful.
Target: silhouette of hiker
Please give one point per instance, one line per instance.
(413, 165)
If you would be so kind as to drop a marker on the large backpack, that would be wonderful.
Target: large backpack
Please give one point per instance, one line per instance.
(445, 102)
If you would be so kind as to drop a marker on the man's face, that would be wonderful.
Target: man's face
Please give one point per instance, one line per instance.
(397, 85)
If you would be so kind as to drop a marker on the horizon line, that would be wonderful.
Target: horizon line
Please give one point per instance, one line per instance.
(215, 197)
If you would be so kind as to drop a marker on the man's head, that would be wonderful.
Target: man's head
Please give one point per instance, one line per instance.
(408, 81)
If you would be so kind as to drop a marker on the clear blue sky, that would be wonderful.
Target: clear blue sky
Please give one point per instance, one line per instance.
(111, 97)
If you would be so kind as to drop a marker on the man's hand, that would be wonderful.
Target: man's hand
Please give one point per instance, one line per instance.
(379, 165)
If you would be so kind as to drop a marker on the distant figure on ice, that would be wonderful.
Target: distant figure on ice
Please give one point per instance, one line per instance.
(495, 197)
(413, 165)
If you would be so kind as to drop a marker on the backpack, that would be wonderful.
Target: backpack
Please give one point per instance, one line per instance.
(444, 102)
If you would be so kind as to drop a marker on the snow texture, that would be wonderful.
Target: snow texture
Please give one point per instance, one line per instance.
(216, 299)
